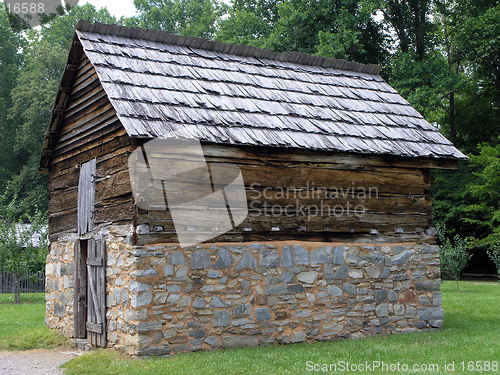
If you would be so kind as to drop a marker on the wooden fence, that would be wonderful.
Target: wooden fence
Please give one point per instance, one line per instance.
(35, 283)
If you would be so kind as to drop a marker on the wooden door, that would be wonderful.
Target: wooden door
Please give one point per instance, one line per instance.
(86, 197)
(96, 292)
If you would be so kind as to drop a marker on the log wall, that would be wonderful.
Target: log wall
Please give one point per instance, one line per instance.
(90, 129)
(311, 196)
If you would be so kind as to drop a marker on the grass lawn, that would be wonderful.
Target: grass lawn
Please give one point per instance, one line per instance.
(22, 326)
(471, 333)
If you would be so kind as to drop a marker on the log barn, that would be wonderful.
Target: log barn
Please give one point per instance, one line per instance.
(337, 238)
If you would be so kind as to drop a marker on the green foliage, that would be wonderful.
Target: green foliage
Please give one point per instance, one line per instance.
(454, 256)
(494, 255)
(484, 188)
(248, 22)
(482, 21)
(183, 17)
(343, 28)
(10, 64)
(23, 241)
(32, 96)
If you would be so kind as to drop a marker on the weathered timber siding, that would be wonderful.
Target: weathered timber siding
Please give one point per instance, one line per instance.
(90, 129)
(309, 190)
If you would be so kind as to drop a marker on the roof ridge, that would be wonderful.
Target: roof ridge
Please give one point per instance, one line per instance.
(215, 46)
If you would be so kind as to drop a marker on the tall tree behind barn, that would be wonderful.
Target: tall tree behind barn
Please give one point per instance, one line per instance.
(335, 167)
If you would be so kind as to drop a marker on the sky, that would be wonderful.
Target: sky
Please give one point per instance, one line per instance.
(116, 8)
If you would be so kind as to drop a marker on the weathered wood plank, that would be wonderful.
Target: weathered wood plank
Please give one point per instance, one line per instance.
(95, 261)
(95, 328)
(80, 289)
(101, 290)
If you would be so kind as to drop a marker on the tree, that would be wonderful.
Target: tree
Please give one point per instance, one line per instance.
(44, 56)
(494, 255)
(411, 22)
(10, 63)
(22, 242)
(183, 17)
(454, 256)
(248, 22)
(478, 41)
(337, 28)
(484, 188)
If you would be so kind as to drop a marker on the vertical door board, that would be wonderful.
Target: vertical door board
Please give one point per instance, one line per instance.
(96, 316)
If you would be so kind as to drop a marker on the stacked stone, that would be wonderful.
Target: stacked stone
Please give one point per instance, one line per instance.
(165, 299)
(59, 287)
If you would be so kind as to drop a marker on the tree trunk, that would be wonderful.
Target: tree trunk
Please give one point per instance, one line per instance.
(457, 285)
(17, 294)
(453, 131)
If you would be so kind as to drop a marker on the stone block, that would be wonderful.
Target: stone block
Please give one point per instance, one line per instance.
(349, 289)
(144, 273)
(198, 334)
(301, 255)
(299, 337)
(199, 303)
(216, 302)
(319, 256)
(302, 313)
(294, 289)
(225, 259)
(239, 341)
(429, 313)
(200, 260)
(269, 258)
(287, 257)
(246, 261)
(212, 341)
(381, 310)
(373, 272)
(308, 277)
(221, 318)
(142, 299)
(427, 285)
(334, 290)
(177, 258)
(275, 289)
(262, 314)
(402, 257)
(244, 309)
(338, 255)
(342, 273)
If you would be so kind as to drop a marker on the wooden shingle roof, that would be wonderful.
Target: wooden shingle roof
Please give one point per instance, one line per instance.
(222, 93)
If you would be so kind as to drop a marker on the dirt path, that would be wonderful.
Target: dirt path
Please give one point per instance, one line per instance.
(35, 362)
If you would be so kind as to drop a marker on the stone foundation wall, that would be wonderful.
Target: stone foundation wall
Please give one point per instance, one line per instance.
(229, 295)
(164, 299)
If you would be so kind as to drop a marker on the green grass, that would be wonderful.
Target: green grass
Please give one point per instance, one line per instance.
(22, 326)
(471, 333)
